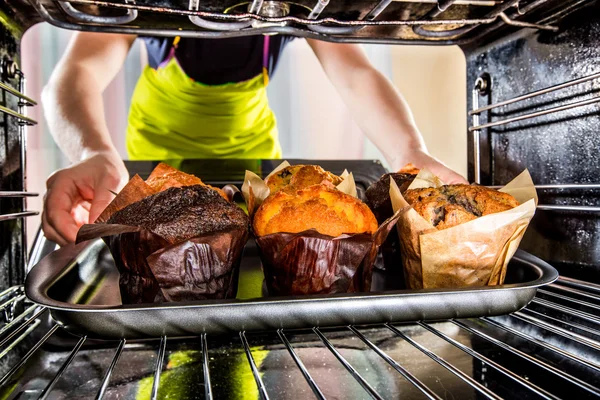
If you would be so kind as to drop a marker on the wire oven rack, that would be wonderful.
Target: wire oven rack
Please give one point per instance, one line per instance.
(481, 88)
(23, 121)
(551, 349)
(383, 21)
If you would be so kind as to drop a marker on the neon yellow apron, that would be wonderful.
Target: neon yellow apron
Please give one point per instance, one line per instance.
(174, 117)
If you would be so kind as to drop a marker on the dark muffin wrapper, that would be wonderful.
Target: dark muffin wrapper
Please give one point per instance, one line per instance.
(154, 271)
(311, 263)
(378, 200)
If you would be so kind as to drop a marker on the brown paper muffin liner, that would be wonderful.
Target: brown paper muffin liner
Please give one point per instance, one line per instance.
(309, 262)
(475, 253)
(154, 271)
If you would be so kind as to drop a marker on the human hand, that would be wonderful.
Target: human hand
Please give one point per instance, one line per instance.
(78, 194)
(421, 159)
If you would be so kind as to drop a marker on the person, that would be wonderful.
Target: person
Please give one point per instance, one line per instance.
(197, 98)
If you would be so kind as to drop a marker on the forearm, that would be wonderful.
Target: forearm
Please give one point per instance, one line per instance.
(74, 110)
(383, 115)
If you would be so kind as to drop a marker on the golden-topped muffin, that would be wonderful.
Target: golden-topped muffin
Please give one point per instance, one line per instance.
(451, 205)
(328, 210)
(301, 176)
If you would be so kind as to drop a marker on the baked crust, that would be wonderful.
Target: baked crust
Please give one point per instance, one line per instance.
(452, 205)
(164, 177)
(180, 213)
(296, 177)
(409, 169)
(329, 211)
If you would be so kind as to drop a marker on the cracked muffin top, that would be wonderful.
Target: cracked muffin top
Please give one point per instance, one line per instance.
(295, 177)
(451, 205)
(180, 213)
(328, 211)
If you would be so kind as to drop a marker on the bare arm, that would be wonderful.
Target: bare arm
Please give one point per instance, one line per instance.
(72, 98)
(379, 109)
(74, 111)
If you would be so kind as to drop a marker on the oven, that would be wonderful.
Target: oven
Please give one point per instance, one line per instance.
(533, 85)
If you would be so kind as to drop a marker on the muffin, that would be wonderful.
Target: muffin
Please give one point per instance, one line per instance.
(173, 238)
(327, 210)
(451, 205)
(180, 213)
(455, 236)
(301, 176)
(313, 237)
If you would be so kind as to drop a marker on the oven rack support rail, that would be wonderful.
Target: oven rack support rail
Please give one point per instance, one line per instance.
(12, 72)
(482, 88)
(264, 16)
(576, 323)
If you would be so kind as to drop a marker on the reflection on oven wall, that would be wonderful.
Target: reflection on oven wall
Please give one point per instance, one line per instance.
(432, 79)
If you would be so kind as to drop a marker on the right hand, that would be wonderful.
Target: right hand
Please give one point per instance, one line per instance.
(78, 194)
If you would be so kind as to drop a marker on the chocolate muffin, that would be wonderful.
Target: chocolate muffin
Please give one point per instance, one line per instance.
(179, 213)
(451, 205)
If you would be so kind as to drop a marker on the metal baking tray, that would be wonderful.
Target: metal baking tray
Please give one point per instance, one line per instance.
(80, 286)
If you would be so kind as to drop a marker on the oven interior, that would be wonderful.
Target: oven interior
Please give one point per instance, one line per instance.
(533, 80)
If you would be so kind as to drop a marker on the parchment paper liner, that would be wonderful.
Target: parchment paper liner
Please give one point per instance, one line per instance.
(475, 253)
(309, 262)
(152, 270)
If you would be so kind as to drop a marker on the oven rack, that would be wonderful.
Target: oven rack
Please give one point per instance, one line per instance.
(17, 209)
(23, 102)
(482, 88)
(302, 18)
(560, 328)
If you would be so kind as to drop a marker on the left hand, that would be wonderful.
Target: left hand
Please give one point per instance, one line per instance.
(421, 159)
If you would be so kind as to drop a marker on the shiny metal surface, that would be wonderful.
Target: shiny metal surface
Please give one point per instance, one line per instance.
(465, 358)
(259, 383)
(344, 21)
(85, 297)
(112, 366)
(569, 208)
(20, 117)
(130, 15)
(479, 110)
(536, 389)
(535, 114)
(440, 360)
(17, 194)
(79, 284)
(160, 358)
(27, 100)
(561, 186)
(481, 86)
(311, 382)
(546, 86)
(18, 215)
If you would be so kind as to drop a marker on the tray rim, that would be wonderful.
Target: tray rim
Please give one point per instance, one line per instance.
(38, 282)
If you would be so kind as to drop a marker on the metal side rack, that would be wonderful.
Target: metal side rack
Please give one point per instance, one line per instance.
(20, 115)
(482, 88)
(13, 195)
(549, 350)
